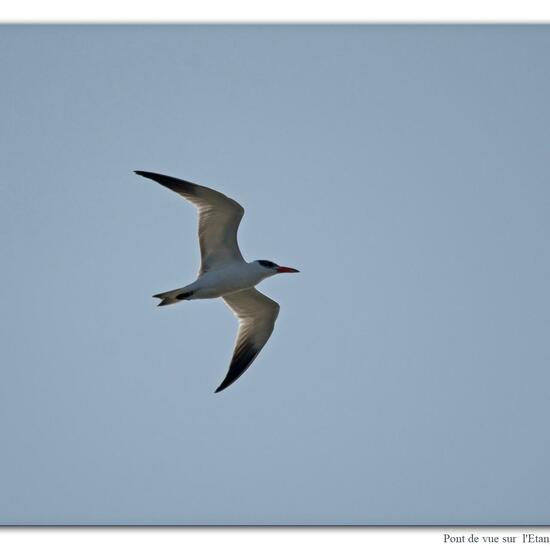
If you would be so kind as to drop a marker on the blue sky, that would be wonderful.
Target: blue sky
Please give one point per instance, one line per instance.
(402, 169)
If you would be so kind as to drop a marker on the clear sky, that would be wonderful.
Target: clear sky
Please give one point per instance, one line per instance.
(403, 170)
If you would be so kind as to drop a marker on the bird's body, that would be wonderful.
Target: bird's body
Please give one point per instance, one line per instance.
(232, 277)
(224, 273)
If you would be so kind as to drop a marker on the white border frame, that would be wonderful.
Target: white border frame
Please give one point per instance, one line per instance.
(255, 11)
(271, 11)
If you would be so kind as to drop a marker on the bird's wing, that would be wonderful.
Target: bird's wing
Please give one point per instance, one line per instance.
(256, 314)
(219, 218)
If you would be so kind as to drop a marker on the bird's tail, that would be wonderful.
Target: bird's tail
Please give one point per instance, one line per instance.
(172, 296)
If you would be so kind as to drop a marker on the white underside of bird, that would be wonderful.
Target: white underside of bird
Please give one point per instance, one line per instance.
(224, 273)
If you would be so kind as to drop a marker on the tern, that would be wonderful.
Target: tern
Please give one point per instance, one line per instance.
(224, 273)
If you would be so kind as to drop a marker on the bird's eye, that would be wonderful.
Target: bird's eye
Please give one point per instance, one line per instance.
(266, 263)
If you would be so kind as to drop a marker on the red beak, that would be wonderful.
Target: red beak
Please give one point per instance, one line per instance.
(282, 269)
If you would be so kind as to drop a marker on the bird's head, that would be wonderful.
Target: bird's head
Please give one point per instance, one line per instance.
(271, 268)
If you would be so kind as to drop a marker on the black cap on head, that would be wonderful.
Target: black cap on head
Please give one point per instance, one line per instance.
(267, 263)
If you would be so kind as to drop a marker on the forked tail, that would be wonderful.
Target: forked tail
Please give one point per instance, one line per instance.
(172, 296)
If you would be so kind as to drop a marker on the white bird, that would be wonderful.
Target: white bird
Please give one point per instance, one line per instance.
(225, 274)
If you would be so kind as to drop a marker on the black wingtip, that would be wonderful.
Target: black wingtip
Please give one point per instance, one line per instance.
(229, 379)
(240, 363)
(226, 382)
(151, 175)
(182, 187)
(221, 387)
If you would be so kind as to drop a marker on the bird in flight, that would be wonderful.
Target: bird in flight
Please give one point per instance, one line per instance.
(224, 273)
